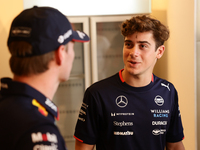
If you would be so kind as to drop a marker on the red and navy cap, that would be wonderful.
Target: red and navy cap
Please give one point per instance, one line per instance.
(45, 28)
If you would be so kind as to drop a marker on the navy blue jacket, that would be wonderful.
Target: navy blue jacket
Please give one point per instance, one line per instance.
(27, 119)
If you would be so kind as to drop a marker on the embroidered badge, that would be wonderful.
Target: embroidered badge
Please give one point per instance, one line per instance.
(41, 109)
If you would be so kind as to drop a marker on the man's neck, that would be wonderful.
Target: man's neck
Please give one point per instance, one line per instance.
(43, 82)
(136, 80)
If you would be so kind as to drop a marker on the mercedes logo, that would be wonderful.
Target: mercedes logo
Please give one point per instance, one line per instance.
(121, 101)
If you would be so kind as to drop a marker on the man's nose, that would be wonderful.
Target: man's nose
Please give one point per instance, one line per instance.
(134, 52)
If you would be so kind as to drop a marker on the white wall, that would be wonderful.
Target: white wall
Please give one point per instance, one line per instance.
(94, 7)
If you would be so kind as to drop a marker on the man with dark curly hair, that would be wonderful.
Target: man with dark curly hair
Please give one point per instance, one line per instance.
(133, 109)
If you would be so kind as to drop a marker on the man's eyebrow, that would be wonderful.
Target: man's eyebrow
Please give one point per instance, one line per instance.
(144, 42)
(127, 41)
(139, 42)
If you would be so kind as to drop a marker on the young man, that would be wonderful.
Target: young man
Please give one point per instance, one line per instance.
(41, 44)
(134, 109)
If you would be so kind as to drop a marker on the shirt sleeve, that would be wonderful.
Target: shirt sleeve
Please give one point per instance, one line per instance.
(88, 123)
(42, 137)
(175, 132)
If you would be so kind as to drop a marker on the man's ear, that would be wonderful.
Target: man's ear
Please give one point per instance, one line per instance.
(60, 54)
(160, 51)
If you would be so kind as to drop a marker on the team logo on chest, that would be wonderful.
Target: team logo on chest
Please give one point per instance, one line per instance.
(159, 100)
(121, 101)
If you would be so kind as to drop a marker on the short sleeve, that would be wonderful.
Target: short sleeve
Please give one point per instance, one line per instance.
(175, 132)
(88, 124)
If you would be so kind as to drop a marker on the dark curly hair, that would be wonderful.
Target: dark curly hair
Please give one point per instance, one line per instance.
(144, 24)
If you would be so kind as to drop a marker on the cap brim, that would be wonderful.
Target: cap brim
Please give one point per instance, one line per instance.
(79, 36)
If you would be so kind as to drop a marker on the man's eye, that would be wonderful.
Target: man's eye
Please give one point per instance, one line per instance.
(127, 44)
(143, 46)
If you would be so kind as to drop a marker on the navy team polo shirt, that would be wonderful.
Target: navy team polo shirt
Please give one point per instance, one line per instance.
(27, 119)
(116, 116)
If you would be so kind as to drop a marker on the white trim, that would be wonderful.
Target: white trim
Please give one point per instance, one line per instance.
(94, 7)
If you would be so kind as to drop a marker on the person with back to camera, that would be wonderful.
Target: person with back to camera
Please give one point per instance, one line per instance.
(133, 109)
(41, 44)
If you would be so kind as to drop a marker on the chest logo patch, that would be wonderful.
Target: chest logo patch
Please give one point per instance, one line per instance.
(159, 100)
(121, 101)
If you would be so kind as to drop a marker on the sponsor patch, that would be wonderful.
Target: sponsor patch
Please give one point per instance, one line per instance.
(123, 133)
(51, 105)
(81, 119)
(81, 35)
(123, 123)
(21, 31)
(41, 109)
(39, 137)
(45, 147)
(159, 111)
(82, 112)
(122, 114)
(158, 131)
(62, 38)
(167, 86)
(159, 123)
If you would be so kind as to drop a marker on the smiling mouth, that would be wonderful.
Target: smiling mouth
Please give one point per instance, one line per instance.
(132, 62)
